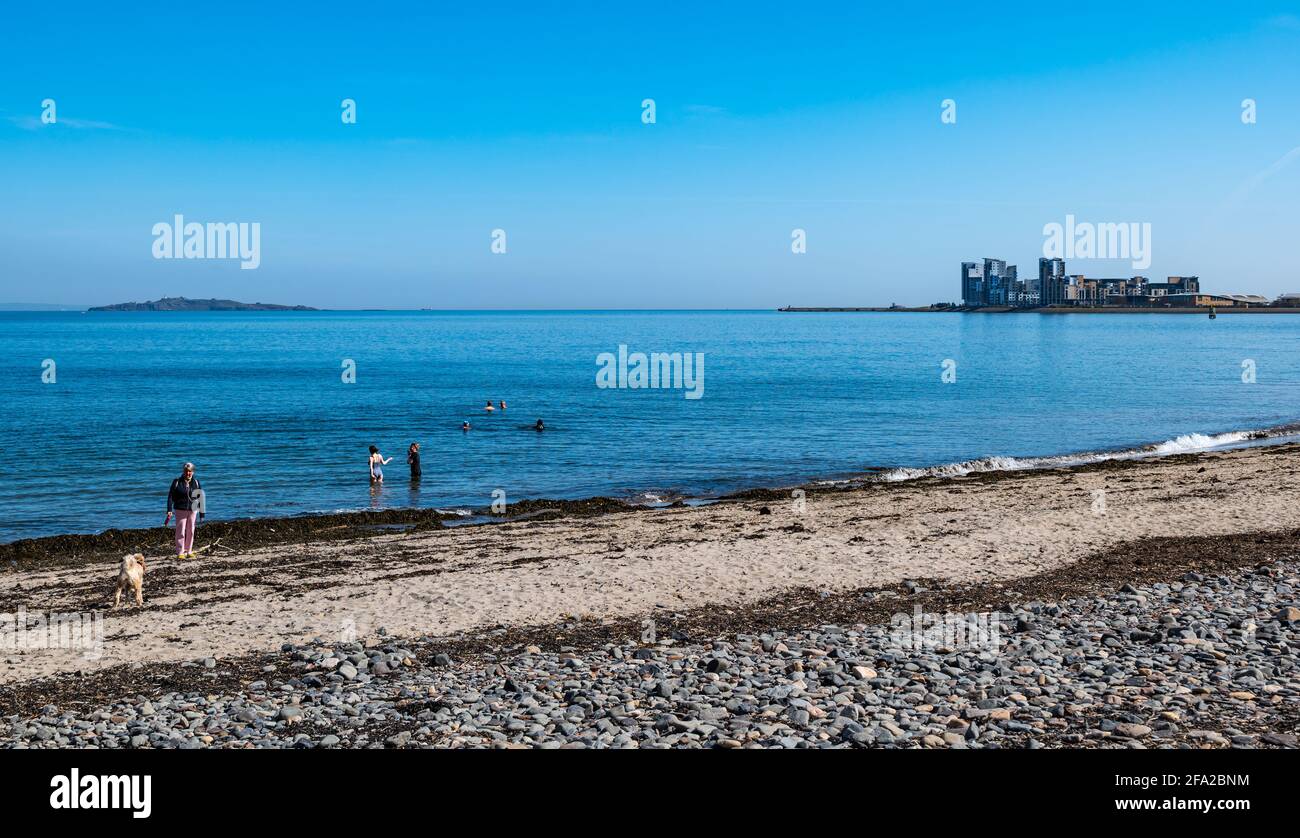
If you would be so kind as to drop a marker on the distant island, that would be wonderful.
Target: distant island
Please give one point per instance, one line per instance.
(186, 304)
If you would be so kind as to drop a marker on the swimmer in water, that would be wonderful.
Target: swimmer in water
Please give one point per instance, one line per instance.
(377, 463)
(503, 404)
(413, 460)
(489, 407)
(464, 426)
(540, 426)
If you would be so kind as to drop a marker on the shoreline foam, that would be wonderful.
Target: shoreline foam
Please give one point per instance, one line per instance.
(442, 515)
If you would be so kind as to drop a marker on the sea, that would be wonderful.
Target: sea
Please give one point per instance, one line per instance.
(277, 410)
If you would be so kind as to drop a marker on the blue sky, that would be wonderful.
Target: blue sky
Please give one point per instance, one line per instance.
(527, 118)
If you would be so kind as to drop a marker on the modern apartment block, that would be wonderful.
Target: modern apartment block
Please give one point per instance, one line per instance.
(991, 283)
(972, 283)
(994, 283)
(1051, 281)
(1175, 285)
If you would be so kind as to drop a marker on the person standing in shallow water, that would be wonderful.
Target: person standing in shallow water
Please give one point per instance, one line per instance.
(184, 499)
(413, 460)
(377, 463)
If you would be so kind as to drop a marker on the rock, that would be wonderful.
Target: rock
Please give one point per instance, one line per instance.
(1165, 664)
(1211, 736)
(1132, 731)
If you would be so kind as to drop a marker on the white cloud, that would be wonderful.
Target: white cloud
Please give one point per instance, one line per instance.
(1253, 182)
(34, 123)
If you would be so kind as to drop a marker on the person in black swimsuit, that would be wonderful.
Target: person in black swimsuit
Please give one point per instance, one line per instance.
(413, 460)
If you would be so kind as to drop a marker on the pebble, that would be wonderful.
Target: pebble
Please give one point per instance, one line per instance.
(1204, 662)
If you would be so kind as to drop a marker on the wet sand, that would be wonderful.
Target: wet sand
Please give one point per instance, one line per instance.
(764, 558)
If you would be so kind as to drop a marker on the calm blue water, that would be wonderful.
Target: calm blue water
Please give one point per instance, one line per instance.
(256, 401)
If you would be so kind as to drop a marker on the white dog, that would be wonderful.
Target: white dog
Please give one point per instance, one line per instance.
(131, 573)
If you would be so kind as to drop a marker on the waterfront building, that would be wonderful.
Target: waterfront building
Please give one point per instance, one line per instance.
(1123, 292)
(972, 284)
(999, 282)
(992, 282)
(1051, 281)
(1175, 285)
(1195, 298)
(1078, 290)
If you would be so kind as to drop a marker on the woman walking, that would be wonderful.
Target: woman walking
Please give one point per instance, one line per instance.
(377, 463)
(185, 499)
(413, 460)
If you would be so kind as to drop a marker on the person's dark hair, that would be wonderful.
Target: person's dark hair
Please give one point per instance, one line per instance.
(374, 450)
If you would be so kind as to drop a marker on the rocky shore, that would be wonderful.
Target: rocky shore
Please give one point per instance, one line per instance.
(1201, 662)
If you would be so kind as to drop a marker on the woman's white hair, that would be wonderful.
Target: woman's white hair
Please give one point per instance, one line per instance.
(188, 467)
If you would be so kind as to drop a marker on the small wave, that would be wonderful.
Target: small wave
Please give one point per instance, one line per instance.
(656, 498)
(1185, 444)
(1200, 442)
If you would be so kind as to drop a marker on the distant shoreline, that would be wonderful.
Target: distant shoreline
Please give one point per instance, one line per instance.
(1201, 310)
(187, 304)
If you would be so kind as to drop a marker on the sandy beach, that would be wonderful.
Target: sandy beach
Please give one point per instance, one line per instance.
(1131, 603)
(644, 564)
